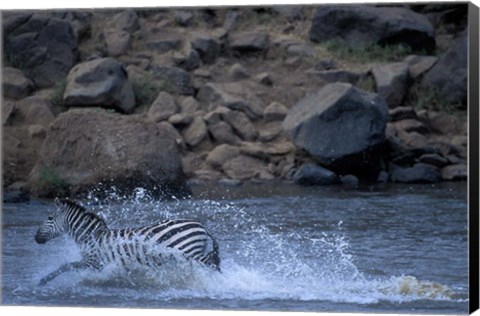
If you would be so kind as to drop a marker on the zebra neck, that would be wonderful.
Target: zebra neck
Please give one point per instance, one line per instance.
(86, 227)
(88, 236)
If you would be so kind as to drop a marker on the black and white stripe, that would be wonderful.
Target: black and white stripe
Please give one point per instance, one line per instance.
(149, 245)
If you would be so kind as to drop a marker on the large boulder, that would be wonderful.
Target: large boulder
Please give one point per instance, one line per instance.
(87, 149)
(449, 76)
(44, 47)
(342, 127)
(364, 26)
(101, 82)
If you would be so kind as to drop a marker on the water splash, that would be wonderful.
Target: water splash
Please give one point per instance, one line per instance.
(263, 262)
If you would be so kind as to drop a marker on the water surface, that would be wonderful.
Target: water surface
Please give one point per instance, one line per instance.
(399, 249)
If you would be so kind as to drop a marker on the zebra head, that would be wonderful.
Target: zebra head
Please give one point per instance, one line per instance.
(54, 226)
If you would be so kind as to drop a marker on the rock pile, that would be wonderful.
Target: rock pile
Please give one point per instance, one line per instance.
(149, 99)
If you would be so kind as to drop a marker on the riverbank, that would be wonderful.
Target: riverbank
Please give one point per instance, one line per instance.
(160, 99)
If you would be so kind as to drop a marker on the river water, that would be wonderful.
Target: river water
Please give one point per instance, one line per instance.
(389, 249)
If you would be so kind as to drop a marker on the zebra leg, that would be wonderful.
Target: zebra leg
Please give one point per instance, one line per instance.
(68, 267)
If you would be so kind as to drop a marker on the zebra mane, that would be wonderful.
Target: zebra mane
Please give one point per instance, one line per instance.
(69, 204)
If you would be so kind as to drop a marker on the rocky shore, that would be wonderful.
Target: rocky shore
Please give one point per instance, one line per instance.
(159, 99)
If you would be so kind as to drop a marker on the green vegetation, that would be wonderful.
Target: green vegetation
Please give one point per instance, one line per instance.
(14, 61)
(50, 181)
(147, 89)
(367, 84)
(429, 99)
(56, 97)
(341, 49)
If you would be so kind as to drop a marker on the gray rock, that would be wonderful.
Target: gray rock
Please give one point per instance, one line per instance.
(301, 50)
(444, 123)
(118, 42)
(418, 65)
(419, 173)
(411, 125)
(80, 20)
(241, 125)
(243, 167)
(238, 72)
(163, 107)
(231, 20)
(37, 131)
(338, 75)
(196, 132)
(189, 105)
(311, 174)
(221, 154)
(188, 59)
(402, 113)
(164, 43)
(33, 111)
(434, 160)
(341, 126)
(233, 96)
(176, 79)
(457, 172)
(183, 18)
(270, 131)
(326, 64)
(8, 111)
(216, 115)
(280, 148)
(392, 81)
(449, 76)
(15, 84)
(264, 78)
(181, 119)
(44, 47)
(383, 177)
(126, 21)
(275, 112)
(222, 133)
(173, 133)
(350, 180)
(254, 149)
(290, 12)
(101, 82)
(249, 41)
(373, 25)
(207, 47)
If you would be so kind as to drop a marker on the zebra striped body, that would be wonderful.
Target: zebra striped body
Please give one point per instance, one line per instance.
(150, 245)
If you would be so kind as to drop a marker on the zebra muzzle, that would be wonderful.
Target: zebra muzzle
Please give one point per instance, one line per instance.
(40, 239)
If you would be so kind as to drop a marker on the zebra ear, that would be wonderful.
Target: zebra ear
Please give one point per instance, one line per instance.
(57, 202)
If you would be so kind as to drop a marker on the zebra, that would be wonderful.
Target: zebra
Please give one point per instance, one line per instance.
(100, 245)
